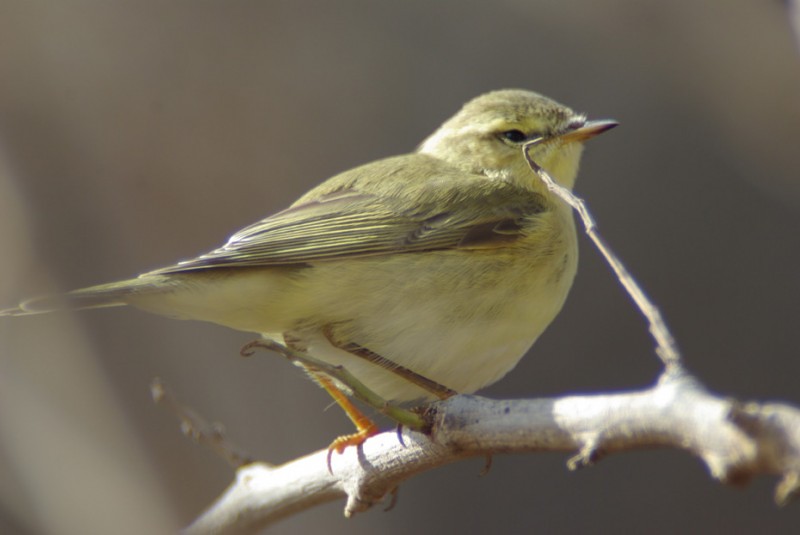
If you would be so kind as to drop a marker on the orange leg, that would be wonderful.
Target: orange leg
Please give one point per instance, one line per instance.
(365, 427)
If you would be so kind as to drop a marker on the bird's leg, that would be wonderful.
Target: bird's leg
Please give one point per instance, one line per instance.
(325, 374)
(438, 390)
(365, 427)
(408, 418)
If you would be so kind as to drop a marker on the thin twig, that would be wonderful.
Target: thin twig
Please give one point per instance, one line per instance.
(197, 428)
(666, 348)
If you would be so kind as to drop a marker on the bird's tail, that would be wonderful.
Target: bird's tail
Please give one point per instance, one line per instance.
(104, 295)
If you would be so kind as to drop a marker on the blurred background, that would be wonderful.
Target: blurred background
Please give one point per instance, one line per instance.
(135, 134)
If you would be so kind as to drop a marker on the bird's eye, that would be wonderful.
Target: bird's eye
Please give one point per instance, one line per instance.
(514, 136)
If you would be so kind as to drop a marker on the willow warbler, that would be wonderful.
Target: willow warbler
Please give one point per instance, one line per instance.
(442, 265)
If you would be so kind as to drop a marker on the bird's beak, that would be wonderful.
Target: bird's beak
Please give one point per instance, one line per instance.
(587, 131)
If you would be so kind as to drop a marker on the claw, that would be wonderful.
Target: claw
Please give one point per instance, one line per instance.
(354, 439)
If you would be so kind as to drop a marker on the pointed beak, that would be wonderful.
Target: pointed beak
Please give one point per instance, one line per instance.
(587, 131)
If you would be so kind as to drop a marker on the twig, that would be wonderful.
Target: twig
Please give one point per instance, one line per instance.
(666, 347)
(197, 428)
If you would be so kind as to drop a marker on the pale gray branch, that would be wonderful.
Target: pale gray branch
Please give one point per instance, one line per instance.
(735, 440)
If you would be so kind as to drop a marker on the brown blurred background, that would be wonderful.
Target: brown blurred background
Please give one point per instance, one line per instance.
(134, 134)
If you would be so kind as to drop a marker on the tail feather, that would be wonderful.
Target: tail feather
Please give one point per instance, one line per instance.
(104, 295)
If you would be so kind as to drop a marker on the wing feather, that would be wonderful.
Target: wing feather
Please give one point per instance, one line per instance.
(354, 223)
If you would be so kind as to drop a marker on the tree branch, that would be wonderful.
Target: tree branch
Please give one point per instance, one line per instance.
(735, 440)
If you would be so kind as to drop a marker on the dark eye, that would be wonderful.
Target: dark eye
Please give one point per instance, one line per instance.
(514, 136)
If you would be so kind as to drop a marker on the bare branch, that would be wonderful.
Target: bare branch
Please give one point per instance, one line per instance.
(735, 440)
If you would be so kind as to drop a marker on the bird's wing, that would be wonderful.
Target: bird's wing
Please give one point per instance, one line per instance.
(353, 224)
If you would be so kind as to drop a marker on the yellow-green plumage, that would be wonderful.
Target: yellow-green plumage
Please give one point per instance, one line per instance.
(449, 261)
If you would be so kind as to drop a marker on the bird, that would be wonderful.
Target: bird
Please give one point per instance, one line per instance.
(424, 275)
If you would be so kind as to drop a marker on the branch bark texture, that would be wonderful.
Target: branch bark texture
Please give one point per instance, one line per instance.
(735, 440)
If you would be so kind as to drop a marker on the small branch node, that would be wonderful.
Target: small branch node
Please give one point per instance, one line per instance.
(487, 466)
(356, 503)
(788, 489)
(588, 455)
(746, 416)
(393, 496)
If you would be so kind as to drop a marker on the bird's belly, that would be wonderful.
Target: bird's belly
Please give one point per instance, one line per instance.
(464, 331)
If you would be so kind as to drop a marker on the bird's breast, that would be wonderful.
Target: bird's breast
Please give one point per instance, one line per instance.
(462, 318)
